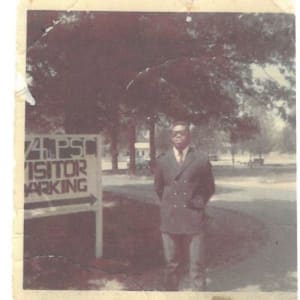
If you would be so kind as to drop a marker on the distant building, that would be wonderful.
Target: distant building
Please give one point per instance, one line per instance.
(142, 149)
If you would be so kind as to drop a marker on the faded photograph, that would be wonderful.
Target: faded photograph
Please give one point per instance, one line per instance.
(160, 152)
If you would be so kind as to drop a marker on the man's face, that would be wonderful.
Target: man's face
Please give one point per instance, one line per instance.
(180, 136)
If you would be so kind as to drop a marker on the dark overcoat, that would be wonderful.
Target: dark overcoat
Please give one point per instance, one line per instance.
(184, 191)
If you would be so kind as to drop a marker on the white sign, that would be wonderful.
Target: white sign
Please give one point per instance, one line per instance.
(60, 167)
(59, 171)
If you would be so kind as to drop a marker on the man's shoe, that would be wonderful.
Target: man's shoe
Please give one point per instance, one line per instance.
(198, 285)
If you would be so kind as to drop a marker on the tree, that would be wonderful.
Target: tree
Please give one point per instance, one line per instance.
(83, 64)
(240, 130)
(264, 140)
(73, 72)
(217, 82)
(209, 137)
(287, 140)
(162, 139)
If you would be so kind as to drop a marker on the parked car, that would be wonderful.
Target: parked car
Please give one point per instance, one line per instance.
(213, 157)
(257, 161)
(140, 163)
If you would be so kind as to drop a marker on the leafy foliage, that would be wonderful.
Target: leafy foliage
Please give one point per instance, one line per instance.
(96, 71)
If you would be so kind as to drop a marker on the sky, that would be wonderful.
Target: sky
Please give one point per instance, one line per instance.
(269, 71)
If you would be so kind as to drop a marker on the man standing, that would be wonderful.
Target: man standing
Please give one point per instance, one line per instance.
(184, 183)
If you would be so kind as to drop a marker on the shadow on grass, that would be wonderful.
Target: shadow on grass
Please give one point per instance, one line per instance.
(145, 192)
(131, 233)
(58, 250)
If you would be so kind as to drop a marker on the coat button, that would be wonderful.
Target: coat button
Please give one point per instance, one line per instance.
(184, 205)
(175, 205)
(184, 193)
(175, 194)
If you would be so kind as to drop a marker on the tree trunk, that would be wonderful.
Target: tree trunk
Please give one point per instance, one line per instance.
(233, 155)
(250, 160)
(132, 139)
(152, 144)
(114, 148)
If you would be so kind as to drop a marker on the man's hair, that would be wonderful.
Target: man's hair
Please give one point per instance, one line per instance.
(183, 123)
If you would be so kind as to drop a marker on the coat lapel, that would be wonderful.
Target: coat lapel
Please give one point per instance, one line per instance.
(173, 162)
(188, 160)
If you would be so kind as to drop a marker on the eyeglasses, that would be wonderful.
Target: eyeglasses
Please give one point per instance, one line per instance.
(179, 132)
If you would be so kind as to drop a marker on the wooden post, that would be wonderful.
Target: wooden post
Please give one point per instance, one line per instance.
(132, 140)
(152, 143)
(99, 206)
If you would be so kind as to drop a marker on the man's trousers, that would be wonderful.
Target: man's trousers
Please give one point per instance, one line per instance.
(177, 247)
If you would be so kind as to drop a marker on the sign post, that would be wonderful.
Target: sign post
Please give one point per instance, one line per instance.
(63, 176)
(99, 211)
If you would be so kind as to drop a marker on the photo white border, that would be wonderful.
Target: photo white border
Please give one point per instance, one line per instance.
(275, 6)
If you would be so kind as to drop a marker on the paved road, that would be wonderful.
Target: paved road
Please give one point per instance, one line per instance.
(269, 200)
